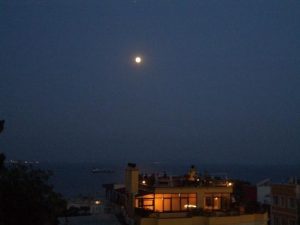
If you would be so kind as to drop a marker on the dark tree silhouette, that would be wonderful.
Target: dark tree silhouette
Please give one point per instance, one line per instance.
(2, 156)
(26, 198)
(1, 125)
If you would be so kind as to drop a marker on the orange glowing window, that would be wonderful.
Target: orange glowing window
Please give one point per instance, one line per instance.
(175, 204)
(192, 201)
(167, 204)
(167, 195)
(184, 203)
(158, 204)
(217, 203)
(148, 202)
(158, 196)
(149, 196)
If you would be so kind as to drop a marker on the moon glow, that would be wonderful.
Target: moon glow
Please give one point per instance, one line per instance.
(138, 59)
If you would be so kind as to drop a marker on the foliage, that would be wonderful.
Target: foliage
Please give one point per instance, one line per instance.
(26, 197)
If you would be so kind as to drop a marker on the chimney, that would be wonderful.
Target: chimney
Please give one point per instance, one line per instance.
(132, 178)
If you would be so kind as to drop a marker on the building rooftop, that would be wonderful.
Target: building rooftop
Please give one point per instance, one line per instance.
(146, 199)
(191, 179)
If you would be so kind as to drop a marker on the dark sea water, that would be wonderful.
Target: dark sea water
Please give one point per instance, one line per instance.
(74, 179)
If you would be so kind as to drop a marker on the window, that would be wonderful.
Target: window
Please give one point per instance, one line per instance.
(292, 222)
(216, 201)
(146, 202)
(184, 203)
(208, 202)
(276, 220)
(192, 199)
(224, 203)
(282, 201)
(167, 202)
(158, 204)
(283, 221)
(292, 203)
(275, 200)
(175, 203)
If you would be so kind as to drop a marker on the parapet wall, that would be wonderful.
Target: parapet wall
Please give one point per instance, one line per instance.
(251, 219)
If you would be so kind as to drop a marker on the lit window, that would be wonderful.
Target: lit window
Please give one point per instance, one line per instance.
(158, 203)
(184, 201)
(175, 202)
(167, 204)
(217, 203)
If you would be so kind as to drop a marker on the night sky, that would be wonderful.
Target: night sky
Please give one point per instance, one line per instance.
(219, 82)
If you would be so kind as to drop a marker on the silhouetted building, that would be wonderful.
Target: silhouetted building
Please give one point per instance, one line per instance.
(285, 208)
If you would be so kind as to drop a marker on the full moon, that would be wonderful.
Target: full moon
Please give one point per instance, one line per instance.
(138, 60)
